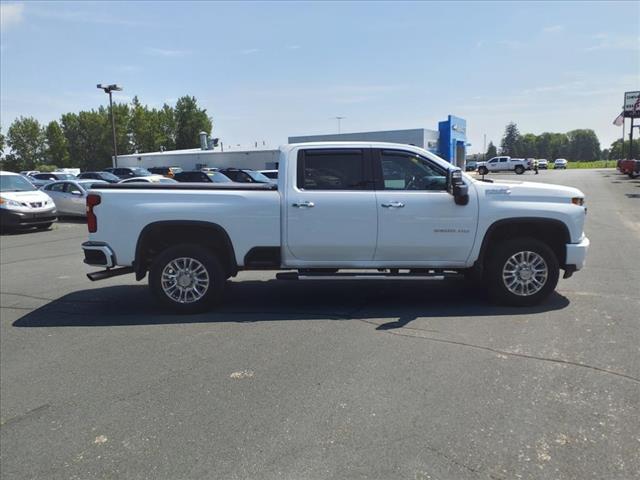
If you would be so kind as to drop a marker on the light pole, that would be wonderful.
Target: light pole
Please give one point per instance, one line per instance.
(339, 118)
(108, 89)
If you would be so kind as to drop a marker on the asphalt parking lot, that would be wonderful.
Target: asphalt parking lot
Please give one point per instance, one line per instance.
(357, 380)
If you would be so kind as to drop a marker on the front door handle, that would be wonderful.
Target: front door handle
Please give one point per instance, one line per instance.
(393, 205)
(303, 205)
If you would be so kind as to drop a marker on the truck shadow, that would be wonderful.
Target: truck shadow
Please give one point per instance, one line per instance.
(391, 304)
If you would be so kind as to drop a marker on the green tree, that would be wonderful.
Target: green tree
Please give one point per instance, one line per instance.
(190, 121)
(492, 151)
(2, 140)
(527, 146)
(583, 145)
(26, 139)
(621, 151)
(57, 152)
(510, 140)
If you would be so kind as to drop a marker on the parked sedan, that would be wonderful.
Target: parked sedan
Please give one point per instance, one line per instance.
(41, 179)
(129, 172)
(153, 179)
(168, 172)
(206, 177)
(543, 164)
(70, 195)
(105, 176)
(560, 163)
(245, 176)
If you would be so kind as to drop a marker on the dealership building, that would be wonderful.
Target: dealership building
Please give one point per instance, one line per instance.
(449, 141)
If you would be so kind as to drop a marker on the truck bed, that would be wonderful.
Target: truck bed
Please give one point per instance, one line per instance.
(187, 186)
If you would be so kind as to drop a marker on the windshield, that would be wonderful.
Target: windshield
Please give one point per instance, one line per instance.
(109, 176)
(218, 177)
(257, 176)
(141, 172)
(65, 176)
(15, 183)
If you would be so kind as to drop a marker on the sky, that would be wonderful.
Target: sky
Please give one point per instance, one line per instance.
(268, 70)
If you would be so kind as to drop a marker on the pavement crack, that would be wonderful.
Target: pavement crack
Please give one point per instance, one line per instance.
(25, 415)
(513, 354)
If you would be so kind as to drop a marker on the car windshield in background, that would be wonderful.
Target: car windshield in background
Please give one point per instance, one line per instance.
(15, 183)
(141, 172)
(108, 176)
(166, 180)
(218, 177)
(257, 176)
(65, 176)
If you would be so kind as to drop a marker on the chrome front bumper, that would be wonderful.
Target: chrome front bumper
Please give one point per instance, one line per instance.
(577, 254)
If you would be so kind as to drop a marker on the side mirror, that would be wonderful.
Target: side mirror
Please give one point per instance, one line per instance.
(457, 187)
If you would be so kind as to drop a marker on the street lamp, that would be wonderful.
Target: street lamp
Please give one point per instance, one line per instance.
(108, 89)
(338, 118)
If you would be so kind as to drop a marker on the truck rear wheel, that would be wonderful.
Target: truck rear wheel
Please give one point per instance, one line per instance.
(522, 272)
(187, 278)
(519, 169)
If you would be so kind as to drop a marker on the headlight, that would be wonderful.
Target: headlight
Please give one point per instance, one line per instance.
(7, 203)
(578, 201)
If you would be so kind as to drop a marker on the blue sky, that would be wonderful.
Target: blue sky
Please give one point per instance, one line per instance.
(268, 70)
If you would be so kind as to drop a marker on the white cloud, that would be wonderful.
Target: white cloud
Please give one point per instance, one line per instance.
(10, 14)
(166, 52)
(293, 47)
(553, 29)
(606, 41)
(249, 51)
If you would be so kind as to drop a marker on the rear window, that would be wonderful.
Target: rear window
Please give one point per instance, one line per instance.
(336, 169)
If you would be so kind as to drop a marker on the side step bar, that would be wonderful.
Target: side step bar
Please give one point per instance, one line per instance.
(108, 273)
(361, 276)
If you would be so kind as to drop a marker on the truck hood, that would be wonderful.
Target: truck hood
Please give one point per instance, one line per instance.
(528, 191)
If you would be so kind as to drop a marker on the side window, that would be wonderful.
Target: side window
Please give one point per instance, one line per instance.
(408, 171)
(71, 188)
(336, 169)
(494, 160)
(56, 187)
(503, 160)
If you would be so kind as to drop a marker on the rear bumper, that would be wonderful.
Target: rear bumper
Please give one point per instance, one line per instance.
(12, 218)
(98, 254)
(577, 254)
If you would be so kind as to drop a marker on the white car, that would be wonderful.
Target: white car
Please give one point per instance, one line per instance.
(543, 164)
(560, 163)
(23, 205)
(152, 179)
(502, 164)
(388, 211)
(70, 195)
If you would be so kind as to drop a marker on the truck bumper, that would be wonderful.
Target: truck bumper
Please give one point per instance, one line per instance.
(576, 254)
(98, 254)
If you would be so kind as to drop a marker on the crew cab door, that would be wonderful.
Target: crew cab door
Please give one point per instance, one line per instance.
(418, 220)
(331, 206)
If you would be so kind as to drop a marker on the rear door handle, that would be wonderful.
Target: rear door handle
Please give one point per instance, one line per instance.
(393, 205)
(303, 205)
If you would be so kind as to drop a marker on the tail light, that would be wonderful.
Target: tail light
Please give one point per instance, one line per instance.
(92, 220)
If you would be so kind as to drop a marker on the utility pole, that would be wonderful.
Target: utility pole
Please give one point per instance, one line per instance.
(338, 118)
(484, 148)
(108, 89)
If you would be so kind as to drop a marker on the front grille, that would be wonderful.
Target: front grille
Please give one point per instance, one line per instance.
(35, 204)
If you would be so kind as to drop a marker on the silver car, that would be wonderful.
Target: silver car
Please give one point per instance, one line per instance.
(70, 196)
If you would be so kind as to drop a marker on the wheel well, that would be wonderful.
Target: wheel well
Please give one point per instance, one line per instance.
(554, 233)
(158, 236)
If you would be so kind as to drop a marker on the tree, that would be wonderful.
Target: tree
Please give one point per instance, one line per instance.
(621, 151)
(492, 151)
(527, 146)
(57, 152)
(190, 121)
(510, 140)
(1, 143)
(26, 139)
(583, 145)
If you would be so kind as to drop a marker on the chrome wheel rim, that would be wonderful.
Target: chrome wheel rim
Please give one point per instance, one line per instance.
(185, 280)
(525, 273)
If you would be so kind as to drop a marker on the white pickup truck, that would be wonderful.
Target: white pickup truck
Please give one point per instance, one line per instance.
(503, 164)
(340, 210)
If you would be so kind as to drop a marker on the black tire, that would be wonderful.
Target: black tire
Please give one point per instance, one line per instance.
(214, 271)
(497, 260)
(44, 226)
(483, 170)
(519, 169)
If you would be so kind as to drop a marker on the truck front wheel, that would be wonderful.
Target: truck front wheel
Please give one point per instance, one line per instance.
(522, 272)
(519, 169)
(187, 278)
(483, 170)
